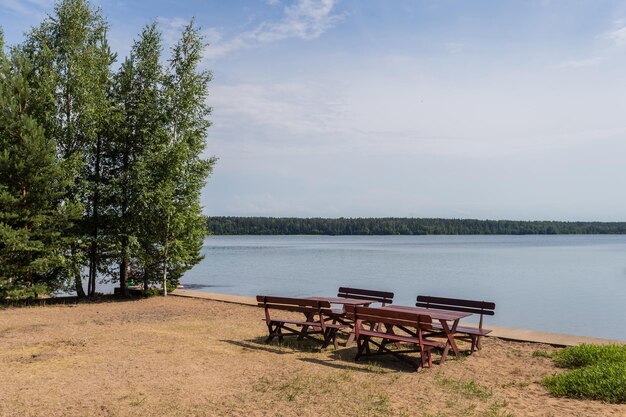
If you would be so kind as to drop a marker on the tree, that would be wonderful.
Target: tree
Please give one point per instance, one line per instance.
(182, 170)
(34, 215)
(139, 97)
(71, 82)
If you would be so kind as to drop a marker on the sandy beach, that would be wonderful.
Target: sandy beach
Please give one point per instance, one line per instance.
(185, 357)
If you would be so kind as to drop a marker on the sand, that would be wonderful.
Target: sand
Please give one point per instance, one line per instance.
(184, 357)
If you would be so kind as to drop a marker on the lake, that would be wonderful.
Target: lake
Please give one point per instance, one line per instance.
(572, 284)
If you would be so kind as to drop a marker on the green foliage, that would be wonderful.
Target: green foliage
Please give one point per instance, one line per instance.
(100, 169)
(400, 226)
(25, 293)
(71, 83)
(33, 212)
(585, 355)
(599, 373)
(542, 354)
(603, 382)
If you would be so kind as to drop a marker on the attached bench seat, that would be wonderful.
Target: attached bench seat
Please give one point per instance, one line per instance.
(317, 320)
(412, 324)
(470, 334)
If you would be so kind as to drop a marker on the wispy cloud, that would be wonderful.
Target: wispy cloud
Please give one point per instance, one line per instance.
(304, 19)
(578, 63)
(27, 7)
(618, 36)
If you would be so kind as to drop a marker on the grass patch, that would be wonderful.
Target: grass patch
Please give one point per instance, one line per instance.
(469, 389)
(604, 382)
(598, 373)
(542, 354)
(585, 355)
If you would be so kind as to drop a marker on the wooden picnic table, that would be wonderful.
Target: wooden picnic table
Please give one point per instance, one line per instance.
(338, 315)
(444, 317)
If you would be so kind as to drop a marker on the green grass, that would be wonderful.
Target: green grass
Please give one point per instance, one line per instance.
(469, 389)
(597, 373)
(585, 355)
(604, 382)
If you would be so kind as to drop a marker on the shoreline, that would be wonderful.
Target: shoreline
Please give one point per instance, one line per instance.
(506, 333)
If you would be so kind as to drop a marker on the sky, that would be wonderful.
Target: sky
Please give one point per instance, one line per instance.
(360, 108)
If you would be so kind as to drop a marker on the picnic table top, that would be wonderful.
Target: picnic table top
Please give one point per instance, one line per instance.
(432, 312)
(341, 300)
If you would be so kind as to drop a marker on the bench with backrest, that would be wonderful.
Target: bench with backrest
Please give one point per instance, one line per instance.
(382, 297)
(470, 334)
(315, 321)
(413, 325)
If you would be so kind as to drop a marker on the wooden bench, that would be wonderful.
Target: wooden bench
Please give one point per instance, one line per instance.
(412, 324)
(315, 322)
(382, 297)
(470, 334)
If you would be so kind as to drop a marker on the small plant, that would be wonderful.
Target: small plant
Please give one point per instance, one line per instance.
(604, 382)
(598, 373)
(517, 384)
(585, 355)
(467, 388)
(542, 354)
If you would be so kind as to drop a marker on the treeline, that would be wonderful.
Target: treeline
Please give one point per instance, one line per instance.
(401, 226)
(100, 168)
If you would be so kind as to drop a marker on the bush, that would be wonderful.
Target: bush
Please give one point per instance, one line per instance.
(599, 373)
(604, 382)
(24, 293)
(585, 355)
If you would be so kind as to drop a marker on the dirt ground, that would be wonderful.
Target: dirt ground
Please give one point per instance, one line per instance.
(184, 357)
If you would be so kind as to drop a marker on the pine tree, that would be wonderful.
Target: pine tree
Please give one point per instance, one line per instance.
(33, 212)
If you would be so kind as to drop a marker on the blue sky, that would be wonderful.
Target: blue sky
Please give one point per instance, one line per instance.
(484, 109)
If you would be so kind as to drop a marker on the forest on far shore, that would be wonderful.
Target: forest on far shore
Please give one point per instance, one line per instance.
(223, 225)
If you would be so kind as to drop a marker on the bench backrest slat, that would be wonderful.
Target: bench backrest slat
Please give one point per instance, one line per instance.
(384, 297)
(456, 304)
(300, 305)
(397, 318)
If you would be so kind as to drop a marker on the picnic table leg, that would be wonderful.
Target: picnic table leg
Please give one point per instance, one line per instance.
(305, 328)
(450, 335)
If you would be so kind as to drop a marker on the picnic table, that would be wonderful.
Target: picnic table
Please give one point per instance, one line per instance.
(339, 315)
(315, 319)
(449, 322)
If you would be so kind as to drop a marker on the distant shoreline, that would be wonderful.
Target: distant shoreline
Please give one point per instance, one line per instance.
(389, 226)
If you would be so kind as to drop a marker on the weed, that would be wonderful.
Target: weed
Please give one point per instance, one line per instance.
(375, 368)
(542, 354)
(599, 373)
(603, 381)
(495, 410)
(584, 355)
(469, 389)
(516, 384)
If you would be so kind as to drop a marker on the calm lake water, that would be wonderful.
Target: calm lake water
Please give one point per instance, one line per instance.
(566, 284)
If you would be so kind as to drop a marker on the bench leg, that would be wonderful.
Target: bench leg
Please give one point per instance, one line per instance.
(475, 343)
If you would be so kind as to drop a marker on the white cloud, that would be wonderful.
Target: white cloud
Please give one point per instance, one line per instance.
(578, 63)
(304, 19)
(454, 47)
(618, 36)
(33, 8)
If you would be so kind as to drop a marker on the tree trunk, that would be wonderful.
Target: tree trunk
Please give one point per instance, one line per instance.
(78, 280)
(165, 273)
(165, 254)
(124, 268)
(93, 252)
